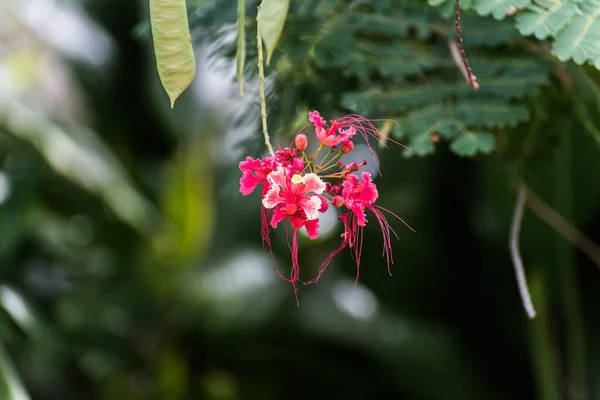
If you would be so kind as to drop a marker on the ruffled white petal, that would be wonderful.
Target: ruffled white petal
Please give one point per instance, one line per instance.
(313, 183)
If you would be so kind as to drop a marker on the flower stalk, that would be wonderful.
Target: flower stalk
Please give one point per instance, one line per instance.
(261, 90)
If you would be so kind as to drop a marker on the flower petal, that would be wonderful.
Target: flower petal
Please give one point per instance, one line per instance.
(359, 210)
(278, 215)
(248, 182)
(312, 228)
(316, 119)
(272, 198)
(311, 206)
(313, 183)
(324, 205)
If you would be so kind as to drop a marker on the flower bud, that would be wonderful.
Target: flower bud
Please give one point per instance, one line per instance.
(340, 163)
(301, 142)
(337, 201)
(347, 146)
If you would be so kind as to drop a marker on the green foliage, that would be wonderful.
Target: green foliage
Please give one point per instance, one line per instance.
(572, 25)
(396, 58)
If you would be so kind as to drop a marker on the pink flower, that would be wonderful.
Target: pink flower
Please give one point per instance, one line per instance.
(254, 172)
(292, 189)
(358, 196)
(290, 196)
(288, 158)
(347, 127)
(297, 198)
(328, 136)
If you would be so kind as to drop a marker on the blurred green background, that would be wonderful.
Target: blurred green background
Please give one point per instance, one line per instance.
(131, 266)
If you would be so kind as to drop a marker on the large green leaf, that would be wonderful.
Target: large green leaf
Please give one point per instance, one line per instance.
(271, 18)
(172, 46)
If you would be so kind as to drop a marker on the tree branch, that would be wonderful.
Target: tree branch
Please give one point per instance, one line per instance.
(567, 230)
(515, 253)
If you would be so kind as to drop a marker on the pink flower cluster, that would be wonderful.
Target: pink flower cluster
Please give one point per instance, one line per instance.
(299, 187)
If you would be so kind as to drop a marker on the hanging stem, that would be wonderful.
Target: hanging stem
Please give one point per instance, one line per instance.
(516, 254)
(471, 79)
(261, 88)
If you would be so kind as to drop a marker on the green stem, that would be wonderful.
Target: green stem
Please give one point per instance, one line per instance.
(318, 151)
(261, 88)
(566, 274)
(320, 165)
(542, 341)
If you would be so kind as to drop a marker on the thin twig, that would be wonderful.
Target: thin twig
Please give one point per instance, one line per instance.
(551, 217)
(261, 88)
(470, 78)
(515, 254)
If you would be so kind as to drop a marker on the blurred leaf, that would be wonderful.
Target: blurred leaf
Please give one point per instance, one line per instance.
(271, 18)
(173, 376)
(469, 143)
(21, 312)
(188, 202)
(13, 387)
(13, 212)
(86, 161)
(172, 45)
(220, 385)
(241, 44)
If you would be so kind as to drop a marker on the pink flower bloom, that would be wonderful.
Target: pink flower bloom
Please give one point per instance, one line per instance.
(254, 172)
(358, 196)
(316, 119)
(290, 196)
(297, 198)
(292, 190)
(327, 136)
(288, 158)
(347, 127)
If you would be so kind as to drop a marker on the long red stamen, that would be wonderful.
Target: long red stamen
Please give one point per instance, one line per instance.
(366, 128)
(295, 274)
(265, 231)
(325, 263)
(387, 230)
